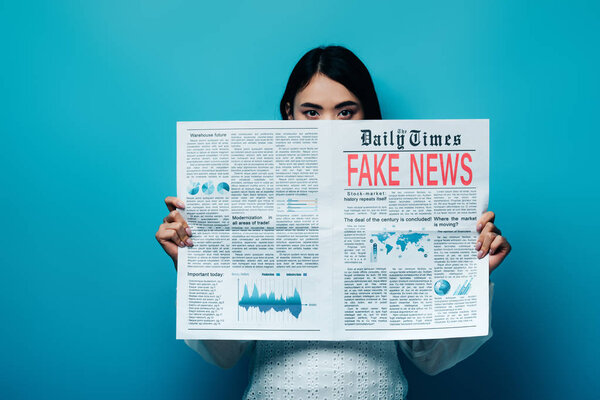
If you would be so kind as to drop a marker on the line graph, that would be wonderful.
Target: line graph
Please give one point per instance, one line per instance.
(270, 300)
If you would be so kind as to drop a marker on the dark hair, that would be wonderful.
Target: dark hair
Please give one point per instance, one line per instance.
(341, 65)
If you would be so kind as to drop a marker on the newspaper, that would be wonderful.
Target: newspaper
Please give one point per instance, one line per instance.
(332, 230)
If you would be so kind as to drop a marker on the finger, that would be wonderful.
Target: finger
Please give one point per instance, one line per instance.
(163, 236)
(174, 203)
(175, 216)
(181, 231)
(169, 235)
(499, 249)
(500, 245)
(485, 245)
(490, 227)
(484, 219)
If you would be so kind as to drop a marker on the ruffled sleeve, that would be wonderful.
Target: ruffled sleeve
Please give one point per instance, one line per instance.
(433, 356)
(222, 353)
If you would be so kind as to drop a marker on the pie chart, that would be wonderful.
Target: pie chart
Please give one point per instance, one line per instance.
(208, 188)
(223, 188)
(193, 188)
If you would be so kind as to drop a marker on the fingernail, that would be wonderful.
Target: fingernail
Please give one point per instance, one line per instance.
(180, 244)
(480, 254)
(188, 231)
(180, 204)
(491, 251)
(189, 242)
(477, 245)
(479, 226)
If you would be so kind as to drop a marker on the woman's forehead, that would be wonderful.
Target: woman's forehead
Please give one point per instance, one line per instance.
(325, 92)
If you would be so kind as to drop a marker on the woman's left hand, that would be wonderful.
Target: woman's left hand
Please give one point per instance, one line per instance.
(491, 240)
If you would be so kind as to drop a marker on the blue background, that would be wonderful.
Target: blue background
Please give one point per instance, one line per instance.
(89, 97)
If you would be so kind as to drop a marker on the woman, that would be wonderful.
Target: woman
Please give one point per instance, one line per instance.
(332, 83)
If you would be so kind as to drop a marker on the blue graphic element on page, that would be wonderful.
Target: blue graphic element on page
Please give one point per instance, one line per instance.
(268, 302)
(374, 253)
(301, 205)
(193, 188)
(391, 242)
(441, 287)
(463, 289)
(223, 188)
(208, 188)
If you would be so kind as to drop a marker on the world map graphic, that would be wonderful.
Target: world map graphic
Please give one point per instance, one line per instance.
(398, 242)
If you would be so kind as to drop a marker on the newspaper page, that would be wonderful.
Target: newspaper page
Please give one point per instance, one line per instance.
(332, 230)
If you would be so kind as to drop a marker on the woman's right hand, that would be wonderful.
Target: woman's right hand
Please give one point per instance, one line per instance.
(174, 232)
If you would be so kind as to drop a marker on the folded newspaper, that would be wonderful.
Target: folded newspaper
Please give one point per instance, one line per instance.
(332, 230)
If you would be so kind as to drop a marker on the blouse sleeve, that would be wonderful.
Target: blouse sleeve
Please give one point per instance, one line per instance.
(222, 353)
(433, 356)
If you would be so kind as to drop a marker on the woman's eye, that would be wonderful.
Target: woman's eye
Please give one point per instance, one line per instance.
(345, 113)
(311, 113)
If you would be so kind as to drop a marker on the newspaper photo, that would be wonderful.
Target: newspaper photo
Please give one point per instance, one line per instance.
(332, 230)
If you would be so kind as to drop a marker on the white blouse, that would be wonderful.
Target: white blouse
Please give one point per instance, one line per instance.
(336, 370)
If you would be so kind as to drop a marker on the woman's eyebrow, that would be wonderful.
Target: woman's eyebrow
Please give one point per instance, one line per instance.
(346, 103)
(312, 105)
